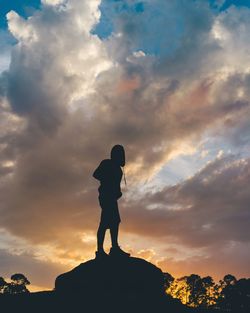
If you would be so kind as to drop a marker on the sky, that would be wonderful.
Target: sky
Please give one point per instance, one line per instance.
(170, 81)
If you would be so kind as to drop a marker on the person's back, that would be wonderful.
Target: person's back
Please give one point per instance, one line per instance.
(109, 174)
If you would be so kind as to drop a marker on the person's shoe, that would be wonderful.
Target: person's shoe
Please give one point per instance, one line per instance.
(101, 255)
(117, 252)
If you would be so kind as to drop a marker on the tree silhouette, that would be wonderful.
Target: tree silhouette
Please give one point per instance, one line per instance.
(168, 280)
(229, 280)
(235, 295)
(196, 290)
(178, 289)
(3, 285)
(243, 294)
(18, 284)
(193, 290)
(225, 292)
(208, 298)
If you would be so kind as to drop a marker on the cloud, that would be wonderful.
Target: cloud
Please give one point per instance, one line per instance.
(6, 42)
(41, 263)
(69, 95)
(39, 273)
(233, 259)
(209, 209)
(207, 214)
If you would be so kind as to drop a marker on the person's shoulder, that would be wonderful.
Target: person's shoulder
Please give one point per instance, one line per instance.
(105, 162)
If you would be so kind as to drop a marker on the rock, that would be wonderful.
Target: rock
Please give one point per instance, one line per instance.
(98, 286)
(124, 275)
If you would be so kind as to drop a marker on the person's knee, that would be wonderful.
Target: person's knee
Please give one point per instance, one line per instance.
(102, 228)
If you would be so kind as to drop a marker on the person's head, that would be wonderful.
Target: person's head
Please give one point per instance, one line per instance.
(118, 155)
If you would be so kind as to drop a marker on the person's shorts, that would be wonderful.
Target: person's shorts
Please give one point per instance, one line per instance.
(110, 214)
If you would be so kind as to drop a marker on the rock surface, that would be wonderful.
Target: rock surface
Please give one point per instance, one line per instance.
(125, 275)
(113, 285)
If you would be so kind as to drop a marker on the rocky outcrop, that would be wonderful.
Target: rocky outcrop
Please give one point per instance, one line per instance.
(123, 284)
(112, 285)
(124, 275)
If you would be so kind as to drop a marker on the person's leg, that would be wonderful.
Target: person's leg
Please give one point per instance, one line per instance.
(116, 250)
(114, 235)
(100, 237)
(102, 226)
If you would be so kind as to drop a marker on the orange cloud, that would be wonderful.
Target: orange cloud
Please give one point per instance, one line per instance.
(129, 85)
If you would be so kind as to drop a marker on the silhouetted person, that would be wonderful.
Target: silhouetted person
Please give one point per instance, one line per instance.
(109, 174)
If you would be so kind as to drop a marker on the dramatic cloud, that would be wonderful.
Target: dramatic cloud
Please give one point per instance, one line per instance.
(231, 256)
(210, 208)
(85, 75)
(208, 214)
(42, 273)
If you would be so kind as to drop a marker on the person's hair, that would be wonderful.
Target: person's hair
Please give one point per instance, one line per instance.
(118, 155)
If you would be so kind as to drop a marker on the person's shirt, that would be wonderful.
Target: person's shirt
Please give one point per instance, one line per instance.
(109, 174)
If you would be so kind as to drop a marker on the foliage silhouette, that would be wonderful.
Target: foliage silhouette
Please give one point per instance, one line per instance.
(3, 285)
(228, 295)
(16, 286)
(235, 295)
(168, 280)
